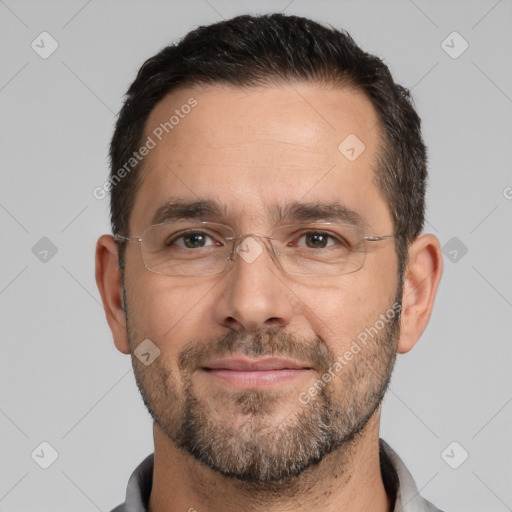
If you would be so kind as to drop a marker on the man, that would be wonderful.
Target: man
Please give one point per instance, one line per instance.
(267, 199)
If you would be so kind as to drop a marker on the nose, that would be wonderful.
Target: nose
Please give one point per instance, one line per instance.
(254, 295)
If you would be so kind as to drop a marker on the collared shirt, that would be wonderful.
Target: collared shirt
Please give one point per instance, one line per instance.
(397, 481)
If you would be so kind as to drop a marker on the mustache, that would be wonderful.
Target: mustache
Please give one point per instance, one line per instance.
(273, 342)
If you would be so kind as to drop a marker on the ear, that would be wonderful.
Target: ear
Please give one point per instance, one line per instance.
(108, 280)
(421, 279)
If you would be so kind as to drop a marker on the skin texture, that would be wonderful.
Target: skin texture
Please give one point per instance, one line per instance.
(250, 149)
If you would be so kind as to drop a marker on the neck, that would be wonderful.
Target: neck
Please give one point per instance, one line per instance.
(347, 479)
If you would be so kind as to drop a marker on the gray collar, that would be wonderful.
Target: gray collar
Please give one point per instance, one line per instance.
(396, 476)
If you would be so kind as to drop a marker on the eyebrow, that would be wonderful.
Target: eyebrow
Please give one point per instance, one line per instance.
(294, 212)
(331, 211)
(176, 209)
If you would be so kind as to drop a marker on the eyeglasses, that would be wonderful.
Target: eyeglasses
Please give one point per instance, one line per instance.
(188, 248)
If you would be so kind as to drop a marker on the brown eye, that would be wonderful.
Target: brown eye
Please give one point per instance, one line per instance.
(317, 240)
(194, 240)
(191, 240)
(320, 240)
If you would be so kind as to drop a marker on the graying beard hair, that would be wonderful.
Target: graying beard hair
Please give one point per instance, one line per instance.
(258, 468)
(255, 468)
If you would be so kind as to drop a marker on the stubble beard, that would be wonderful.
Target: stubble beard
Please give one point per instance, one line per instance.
(250, 445)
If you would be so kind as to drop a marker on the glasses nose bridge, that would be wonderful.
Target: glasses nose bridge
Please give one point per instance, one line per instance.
(266, 239)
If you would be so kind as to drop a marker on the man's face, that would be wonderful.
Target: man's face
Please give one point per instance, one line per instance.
(251, 151)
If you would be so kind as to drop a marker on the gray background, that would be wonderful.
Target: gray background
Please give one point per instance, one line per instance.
(62, 380)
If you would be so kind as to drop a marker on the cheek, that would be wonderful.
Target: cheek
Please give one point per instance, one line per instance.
(166, 311)
(337, 312)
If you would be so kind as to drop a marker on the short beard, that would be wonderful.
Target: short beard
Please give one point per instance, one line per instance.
(260, 454)
(258, 451)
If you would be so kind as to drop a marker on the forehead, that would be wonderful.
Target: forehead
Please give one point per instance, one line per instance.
(254, 147)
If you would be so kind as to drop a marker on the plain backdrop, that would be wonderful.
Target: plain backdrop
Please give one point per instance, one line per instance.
(62, 381)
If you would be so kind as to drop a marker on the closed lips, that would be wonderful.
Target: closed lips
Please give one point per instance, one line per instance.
(252, 365)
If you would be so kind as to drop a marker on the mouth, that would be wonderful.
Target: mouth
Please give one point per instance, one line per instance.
(246, 373)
